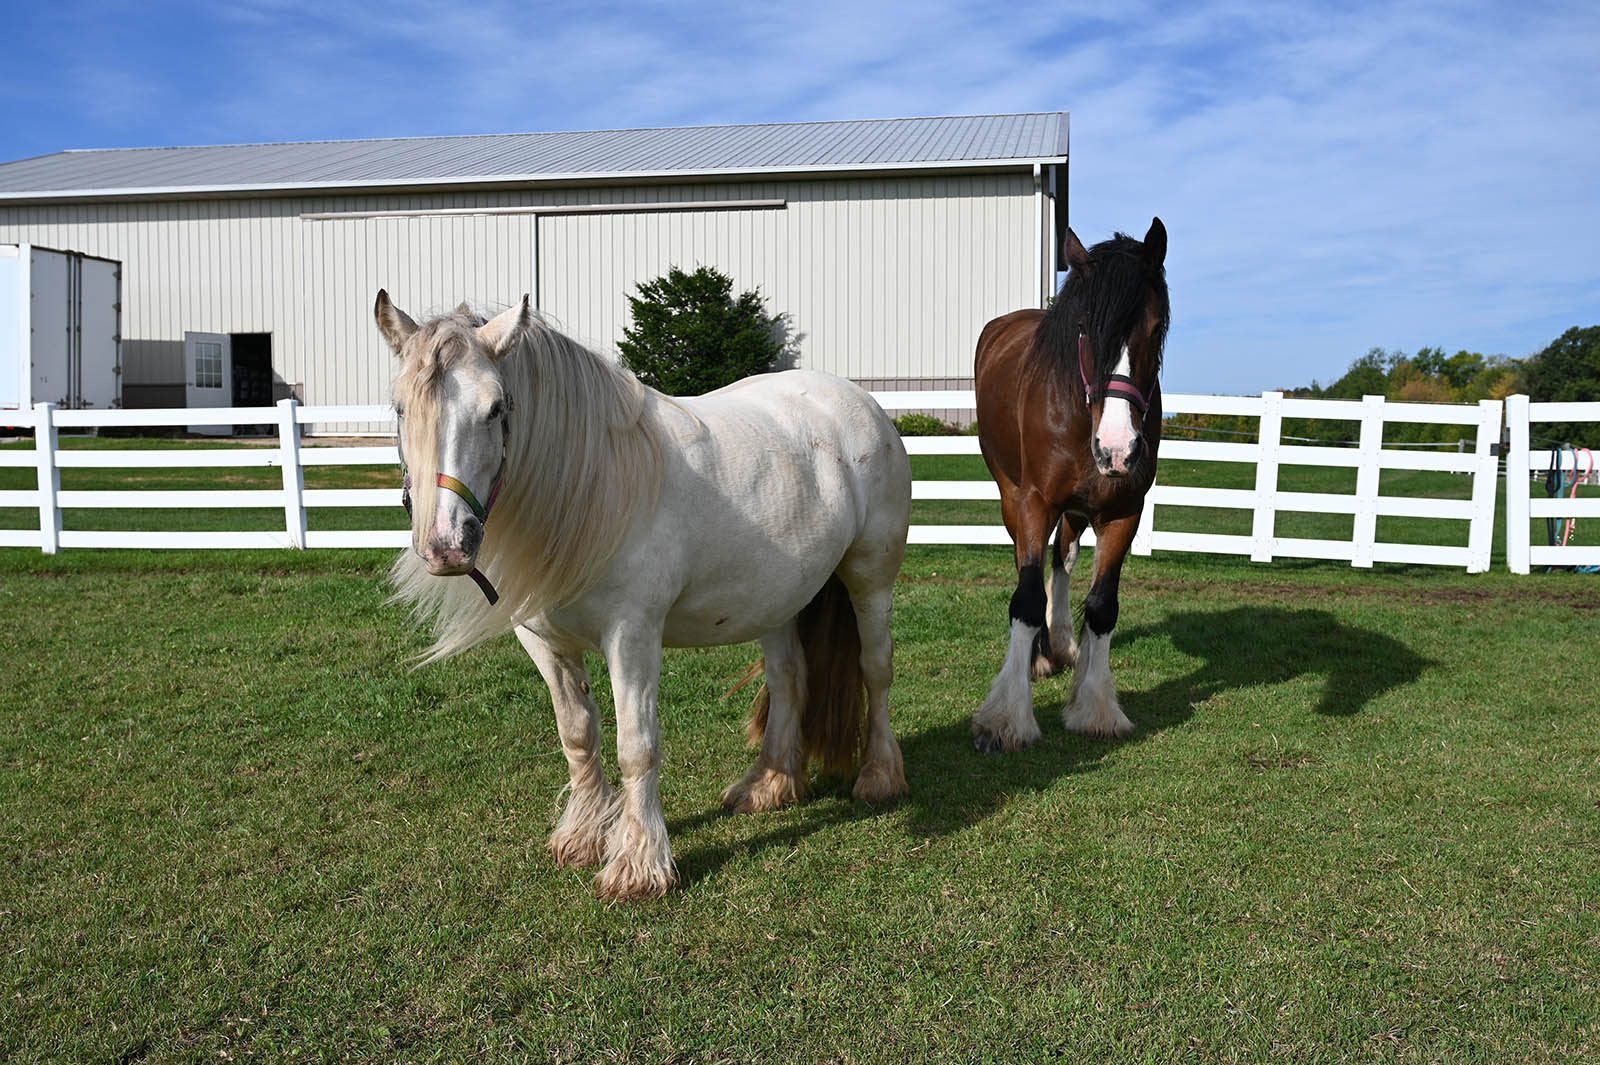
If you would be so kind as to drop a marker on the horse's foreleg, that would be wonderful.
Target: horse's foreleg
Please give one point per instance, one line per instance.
(638, 855)
(1005, 721)
(580, 836)
(1061, 650)
(1092, 709)
(779, 775)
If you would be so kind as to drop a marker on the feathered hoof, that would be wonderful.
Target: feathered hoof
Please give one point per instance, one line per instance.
(997, 732)
(578, 848)
(1049, 666)
(880, 783)
(1101, 718)
(639, 865)
(763, 788)
(628, 880)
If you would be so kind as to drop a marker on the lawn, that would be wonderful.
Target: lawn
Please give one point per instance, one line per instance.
(1357, 821)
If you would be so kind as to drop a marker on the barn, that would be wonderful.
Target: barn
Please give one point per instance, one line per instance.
(249, 270)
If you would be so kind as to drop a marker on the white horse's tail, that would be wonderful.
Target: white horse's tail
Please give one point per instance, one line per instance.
(835, 707)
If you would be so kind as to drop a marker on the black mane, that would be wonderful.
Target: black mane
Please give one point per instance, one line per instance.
(1110, 297)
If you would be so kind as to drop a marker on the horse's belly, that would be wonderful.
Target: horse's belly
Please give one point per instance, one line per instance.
(738, 597)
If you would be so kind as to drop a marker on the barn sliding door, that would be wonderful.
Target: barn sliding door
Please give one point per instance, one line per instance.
(589, 264)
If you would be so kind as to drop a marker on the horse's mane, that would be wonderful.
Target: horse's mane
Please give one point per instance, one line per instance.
(1112, 294)
(583, 457)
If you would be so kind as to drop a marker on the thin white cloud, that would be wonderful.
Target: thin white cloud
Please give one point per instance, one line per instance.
(1334, 176)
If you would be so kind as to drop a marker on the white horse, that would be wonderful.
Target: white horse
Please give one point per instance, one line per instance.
(774, 510)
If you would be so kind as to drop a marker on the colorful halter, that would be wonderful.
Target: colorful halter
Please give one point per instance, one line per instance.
(481, 510)
(1116, 385)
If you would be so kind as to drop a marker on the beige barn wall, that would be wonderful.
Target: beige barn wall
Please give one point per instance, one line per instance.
(882, 278)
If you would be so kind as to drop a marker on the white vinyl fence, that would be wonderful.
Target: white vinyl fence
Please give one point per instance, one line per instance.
(289, 455)
(1264, 501)
(1521, 508)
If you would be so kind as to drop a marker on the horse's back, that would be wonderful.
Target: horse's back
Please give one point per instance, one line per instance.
(1001, 346)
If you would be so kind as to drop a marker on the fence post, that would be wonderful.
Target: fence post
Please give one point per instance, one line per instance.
(1485, 485)
(46, 441)
(294, 475)
(1269, 440)
(1517, 490)
(1142, 544)
(1365, 533)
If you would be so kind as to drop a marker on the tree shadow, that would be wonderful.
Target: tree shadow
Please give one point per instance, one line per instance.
(953, 787)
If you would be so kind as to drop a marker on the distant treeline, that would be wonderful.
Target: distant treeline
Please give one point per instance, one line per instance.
(1567, 370)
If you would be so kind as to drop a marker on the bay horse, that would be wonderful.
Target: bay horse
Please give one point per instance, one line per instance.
(1069, 421)
(623, 521)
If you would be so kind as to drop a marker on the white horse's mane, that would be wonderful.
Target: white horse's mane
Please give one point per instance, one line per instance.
(583, 456)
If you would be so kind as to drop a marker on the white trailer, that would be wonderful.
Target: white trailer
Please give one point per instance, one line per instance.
(60, 329)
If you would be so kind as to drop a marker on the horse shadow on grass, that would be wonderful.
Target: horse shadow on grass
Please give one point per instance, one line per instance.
(953, 787)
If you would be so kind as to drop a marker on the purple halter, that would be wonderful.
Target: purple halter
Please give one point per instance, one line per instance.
(1116, 385)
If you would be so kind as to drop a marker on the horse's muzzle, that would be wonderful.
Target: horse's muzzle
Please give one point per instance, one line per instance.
(1118, 464)
(457, 558)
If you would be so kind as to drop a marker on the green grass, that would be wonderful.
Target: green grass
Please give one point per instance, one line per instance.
(1357, 821)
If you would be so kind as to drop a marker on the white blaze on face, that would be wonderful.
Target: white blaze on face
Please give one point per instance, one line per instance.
(1115, 434)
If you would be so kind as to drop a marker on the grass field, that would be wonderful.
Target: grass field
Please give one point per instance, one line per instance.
(1357, 821)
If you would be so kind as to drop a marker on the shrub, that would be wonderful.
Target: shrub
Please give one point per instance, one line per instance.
(690, 335)
(921, 425)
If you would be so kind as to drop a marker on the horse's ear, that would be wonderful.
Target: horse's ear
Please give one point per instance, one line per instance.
(395, 325)
(1072, 250)
(501, 332)
(463, 310)
(1155, 243)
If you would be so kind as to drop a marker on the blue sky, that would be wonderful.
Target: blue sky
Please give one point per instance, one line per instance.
(1333, 176)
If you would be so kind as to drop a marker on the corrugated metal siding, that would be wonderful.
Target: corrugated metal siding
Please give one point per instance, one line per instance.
(874, 142)
(881, 278)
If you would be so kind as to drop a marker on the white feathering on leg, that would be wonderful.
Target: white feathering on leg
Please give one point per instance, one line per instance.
(1093, 709)
(1006, 721)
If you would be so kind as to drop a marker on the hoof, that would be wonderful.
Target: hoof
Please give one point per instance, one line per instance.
(763, 788)
(639, 865)
(1098, 720)
(880, 784)
(578, 850)
(988, 740)
(629, 883)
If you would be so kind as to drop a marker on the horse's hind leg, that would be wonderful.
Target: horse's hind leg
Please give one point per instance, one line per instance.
(779, 774)
(1093, 709)
(1005, 721)
(580, 836)
(1058, 650)
(883, 774)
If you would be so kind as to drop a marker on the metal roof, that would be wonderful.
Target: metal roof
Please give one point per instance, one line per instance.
(684, 152)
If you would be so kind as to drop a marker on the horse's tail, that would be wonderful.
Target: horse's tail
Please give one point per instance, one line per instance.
(835, 705)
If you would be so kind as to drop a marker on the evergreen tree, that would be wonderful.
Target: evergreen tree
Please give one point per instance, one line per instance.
(690, 335)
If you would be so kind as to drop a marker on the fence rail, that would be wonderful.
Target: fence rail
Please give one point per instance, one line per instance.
(1268, 454)
(1521, 508)
(1265, 501)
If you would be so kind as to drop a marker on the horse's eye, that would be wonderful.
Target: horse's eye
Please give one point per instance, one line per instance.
(399, 411)
(497, 411)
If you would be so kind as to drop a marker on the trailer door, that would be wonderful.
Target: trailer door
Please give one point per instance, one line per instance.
(15, 341)
(208, 367)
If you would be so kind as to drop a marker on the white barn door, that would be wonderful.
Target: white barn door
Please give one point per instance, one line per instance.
(208, 376)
